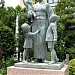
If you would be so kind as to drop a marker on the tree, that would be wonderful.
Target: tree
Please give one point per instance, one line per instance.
(22, 13)
(66, 25)
(11, 13)
(7, 36)
(72, 67)
(7, 42)
(8, 16)
(2, 3)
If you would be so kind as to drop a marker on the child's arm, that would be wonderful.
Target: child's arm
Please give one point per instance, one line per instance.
(54, 30)
(31, 34)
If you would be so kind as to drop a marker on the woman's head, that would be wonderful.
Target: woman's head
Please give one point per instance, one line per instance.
(54, 18)
(25, 27)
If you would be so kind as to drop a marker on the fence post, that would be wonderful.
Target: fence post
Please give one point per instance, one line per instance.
(67, 59)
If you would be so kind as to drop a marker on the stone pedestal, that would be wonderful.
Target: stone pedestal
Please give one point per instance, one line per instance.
(56, 66)
(32, 71)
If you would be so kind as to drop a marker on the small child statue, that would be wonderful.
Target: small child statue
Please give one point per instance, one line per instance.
(51, 37)
(28, 40)
(28, 4)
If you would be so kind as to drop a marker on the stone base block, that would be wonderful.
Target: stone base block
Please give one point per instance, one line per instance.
(56, 66)
(31, 71)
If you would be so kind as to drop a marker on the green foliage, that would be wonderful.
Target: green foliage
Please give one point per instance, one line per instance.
(65, 7)
(72, 67)
(22, 13)
(18, 9)
(7, 36)
(65, 27)
(11, 18)
(2, 3)
(9, 62)
(60, 49)
(71, 52)
(22, 19)
(2, 71)
(49, 55)
(7, 16)
(31, 54)
(7, 40)
(70, 39)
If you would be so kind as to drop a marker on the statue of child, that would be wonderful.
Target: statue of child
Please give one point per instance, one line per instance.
(28, 40)
(51, 37)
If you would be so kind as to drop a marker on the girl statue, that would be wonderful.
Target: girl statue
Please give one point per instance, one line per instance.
(28, 40)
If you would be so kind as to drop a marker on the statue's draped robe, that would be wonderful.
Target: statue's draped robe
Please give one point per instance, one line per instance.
(43, 12)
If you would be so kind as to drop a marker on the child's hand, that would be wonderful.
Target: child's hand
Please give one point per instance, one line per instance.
(39, 30)
(55, 39)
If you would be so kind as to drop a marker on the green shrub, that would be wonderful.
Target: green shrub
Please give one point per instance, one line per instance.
(72, 67)
(3, 71)
(7, 41)
(71, 52)
(65, 28)
(10, 62)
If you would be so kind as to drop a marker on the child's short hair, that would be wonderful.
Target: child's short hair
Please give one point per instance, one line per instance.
(54, 17)
(25, 27)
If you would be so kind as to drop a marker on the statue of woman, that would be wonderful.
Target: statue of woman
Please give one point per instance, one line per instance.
(43, 11)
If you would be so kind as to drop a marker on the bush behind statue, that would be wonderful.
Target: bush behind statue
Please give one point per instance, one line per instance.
(72, 67)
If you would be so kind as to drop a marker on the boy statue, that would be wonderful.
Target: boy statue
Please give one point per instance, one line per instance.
(51, 37)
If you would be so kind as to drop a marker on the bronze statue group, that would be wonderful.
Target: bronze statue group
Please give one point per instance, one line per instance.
(44, 31)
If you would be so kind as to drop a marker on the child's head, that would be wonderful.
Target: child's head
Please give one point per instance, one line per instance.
(54, 18)
(25, 27)
(29, 2)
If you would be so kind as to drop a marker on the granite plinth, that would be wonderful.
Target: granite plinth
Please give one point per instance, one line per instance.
(32, 71)
(56, 66)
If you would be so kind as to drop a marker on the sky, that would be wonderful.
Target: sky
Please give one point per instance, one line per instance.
(12, 3)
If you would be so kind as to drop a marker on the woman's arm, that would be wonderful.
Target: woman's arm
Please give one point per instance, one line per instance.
(25, 3)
